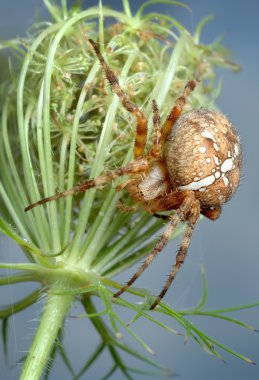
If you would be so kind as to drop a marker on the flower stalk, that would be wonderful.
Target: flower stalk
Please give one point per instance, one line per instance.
(51, 322)
(61, 124)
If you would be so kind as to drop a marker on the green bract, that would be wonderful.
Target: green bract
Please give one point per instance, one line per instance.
(62, 124)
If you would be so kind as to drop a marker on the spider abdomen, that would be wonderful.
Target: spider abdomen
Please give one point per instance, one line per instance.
(203, 154)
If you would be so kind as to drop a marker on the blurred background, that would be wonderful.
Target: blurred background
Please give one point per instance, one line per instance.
(227, 248)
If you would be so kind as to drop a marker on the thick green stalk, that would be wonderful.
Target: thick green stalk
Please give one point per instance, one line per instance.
(55, 311)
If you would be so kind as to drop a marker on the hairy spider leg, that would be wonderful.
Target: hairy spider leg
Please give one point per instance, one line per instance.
(181, 255)
(131, 168)
(155, 150)
(141, 127)
(176, 111)
(175, 220)
(125, 208)
(171, 201)
(171, 226)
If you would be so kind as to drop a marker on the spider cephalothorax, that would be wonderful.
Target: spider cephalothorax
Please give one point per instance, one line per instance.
(192, 168)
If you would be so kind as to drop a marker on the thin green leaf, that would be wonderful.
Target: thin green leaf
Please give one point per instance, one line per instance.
(236, 308)
(66, 360)
(229, 350)
(167, 373)
(199, 28)
(91, 360)
(142, 312)
(7, 311)
(6, 229)
(112, 316)
(137, 355)
(110, 372)
(135, 336)
(204, 297)
(21, 266)
(126, 7)
(16, 278)
(170, 2)
(223, 317)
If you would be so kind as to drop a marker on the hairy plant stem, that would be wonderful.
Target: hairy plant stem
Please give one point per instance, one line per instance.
(55, 311)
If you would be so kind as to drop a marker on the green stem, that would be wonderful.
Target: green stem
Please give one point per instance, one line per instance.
(52, 319)
(126, 7)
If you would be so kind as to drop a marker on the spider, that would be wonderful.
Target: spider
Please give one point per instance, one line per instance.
(192, 168)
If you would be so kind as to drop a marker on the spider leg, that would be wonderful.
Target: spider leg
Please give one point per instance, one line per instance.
(156, 148)
(177, 110)
(125, 208)
(167, 202)
(181, 255)
(131, 168)
(171, 226)
(155, 251)
(141, 128)
(123, 184)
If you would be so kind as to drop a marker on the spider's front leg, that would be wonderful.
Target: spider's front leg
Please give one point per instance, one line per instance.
(156, 147)
(177, 110)
(160, 134)
(131, 168)
(141, 127)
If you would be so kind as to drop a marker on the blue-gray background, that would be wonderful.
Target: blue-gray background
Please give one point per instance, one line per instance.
(227, 248)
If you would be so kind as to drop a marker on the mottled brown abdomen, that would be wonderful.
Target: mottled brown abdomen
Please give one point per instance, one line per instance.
(203, 154)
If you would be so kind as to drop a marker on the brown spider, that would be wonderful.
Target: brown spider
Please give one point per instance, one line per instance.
(193, 169)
